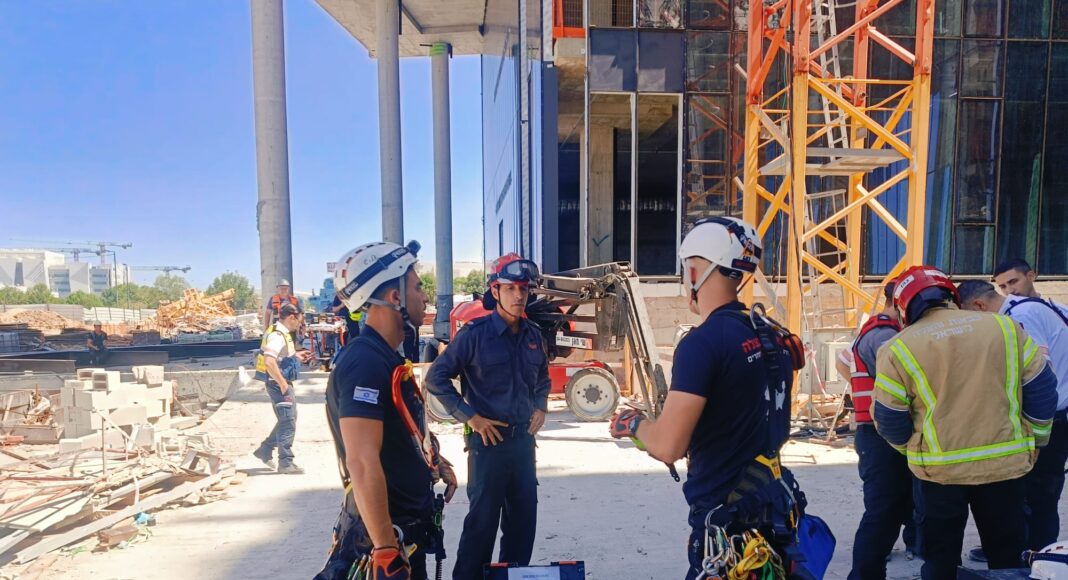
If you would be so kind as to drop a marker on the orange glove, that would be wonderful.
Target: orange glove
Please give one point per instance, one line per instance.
(625, 423)
(389, 563)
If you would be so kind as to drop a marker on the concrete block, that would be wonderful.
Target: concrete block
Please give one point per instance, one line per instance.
(106, 380)
(152, 408)
(148, 374)
(164, 392)
(128, 394)
(129, 415)
(112, 438)
(79, 384)
(87, 374)
(163, 422)
(66, 397)
(89, 400)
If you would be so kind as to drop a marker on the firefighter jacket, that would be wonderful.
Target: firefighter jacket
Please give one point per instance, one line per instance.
(966, 396)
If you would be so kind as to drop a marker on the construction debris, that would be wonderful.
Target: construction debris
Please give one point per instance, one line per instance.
(194, 311)
(38, 319)
(118, 458)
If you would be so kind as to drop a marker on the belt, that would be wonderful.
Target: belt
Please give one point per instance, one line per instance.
(507, 432)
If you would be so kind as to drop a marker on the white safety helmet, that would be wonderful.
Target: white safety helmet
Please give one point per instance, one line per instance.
(729, 243)
(1049, 563)
(362, 270)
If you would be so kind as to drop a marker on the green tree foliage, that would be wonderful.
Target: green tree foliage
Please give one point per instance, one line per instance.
(11, 295)
(474, 281)
(40, 294)
(132, 296)
(245, 297)
(170, 286)
(84, 299)
(430, 285)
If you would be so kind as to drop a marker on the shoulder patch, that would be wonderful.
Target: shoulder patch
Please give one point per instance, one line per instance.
(365, 395)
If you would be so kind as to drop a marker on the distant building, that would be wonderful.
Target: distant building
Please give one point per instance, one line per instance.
(26, 268)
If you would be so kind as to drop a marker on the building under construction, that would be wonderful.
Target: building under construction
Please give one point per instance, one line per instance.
(611, 126)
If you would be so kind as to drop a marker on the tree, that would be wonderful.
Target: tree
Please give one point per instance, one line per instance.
(85, 299)
(132, 296)
(12, 295)
(40, 294)
(171, 287)
(245, 297)
(430, 285)
(474, 281)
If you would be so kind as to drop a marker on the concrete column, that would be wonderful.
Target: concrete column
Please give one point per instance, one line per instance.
(439, 71)
(272, 150)
(387, 51)
(602, 193)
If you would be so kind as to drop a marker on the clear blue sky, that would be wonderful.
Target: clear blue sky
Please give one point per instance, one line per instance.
(133, 121)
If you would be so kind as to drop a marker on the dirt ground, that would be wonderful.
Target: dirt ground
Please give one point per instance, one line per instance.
(600, 501)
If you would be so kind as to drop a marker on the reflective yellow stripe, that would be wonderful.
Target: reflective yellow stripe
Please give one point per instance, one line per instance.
(970, 454)
(1042, 430)
(1030, 350)
(904, 356)
(1012, 373)
(892, 387)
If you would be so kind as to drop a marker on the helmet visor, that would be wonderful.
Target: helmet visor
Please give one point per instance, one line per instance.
(518, 272)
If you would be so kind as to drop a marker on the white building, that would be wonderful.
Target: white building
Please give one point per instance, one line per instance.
(26, 268)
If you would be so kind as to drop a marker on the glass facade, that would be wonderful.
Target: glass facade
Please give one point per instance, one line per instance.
(645, 132)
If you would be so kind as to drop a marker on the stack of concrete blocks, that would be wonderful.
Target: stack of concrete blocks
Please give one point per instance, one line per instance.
(98, 409)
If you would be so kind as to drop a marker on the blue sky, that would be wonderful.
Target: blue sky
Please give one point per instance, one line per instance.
(133, 122)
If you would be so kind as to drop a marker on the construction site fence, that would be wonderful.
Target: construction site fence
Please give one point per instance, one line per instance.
(79, 314)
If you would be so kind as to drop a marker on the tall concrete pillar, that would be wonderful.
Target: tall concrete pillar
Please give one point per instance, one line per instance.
(439, 72)
(272, 149)
(387, 51)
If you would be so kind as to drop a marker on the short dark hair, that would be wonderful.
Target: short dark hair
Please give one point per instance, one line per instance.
(288, 310)
(1018, 264)
(975, 290)
(888, 291)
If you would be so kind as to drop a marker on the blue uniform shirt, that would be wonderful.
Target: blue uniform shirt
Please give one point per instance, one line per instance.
(360, 385)
(721, 360)
(503, 376)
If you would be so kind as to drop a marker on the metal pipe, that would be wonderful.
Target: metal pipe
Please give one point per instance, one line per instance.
(272, 150)
(439, 72)
(387, 51)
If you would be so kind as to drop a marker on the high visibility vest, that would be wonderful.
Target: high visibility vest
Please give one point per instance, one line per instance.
(862, 381)
(277, 301)
(261, 361)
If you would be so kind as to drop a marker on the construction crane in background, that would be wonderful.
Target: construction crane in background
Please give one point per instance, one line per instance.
(74, 252)
(165, 269)
(812, 144)
(102, 247)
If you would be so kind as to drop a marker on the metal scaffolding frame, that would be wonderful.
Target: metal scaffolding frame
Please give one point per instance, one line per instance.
(783, 29)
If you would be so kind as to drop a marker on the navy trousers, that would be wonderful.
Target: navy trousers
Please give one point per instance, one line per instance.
(942, 513)
(285, 427)
(1044, 485)
(503, 489)
(887, 504)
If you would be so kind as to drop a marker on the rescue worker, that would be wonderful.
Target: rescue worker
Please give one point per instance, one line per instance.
(727, 410)
(278, 365)
(387, 458)
(274, 305)
(1050, 333)
(884, 471)
(1015, 277)
(968, 398)
(97, 342)
(503, 366)
(352, 319)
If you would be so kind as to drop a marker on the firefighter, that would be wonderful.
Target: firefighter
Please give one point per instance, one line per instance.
(727, 410)
(503, 366)
(388, 461)
(884, 471)
(968, 398)
(1044, 323)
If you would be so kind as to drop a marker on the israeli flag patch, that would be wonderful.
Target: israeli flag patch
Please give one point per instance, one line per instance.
(365, 395)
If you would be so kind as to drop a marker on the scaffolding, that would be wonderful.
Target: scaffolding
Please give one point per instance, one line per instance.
(829, 129)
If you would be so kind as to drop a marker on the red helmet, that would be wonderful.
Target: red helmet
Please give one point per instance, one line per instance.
(915, 280)
(512, 268)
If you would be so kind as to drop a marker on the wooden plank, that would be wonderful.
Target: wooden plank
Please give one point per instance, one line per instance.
(50, 514)
(55, 542)
(13, 539)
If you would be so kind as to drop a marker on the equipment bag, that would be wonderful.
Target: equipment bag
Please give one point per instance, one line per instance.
(816, 543)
